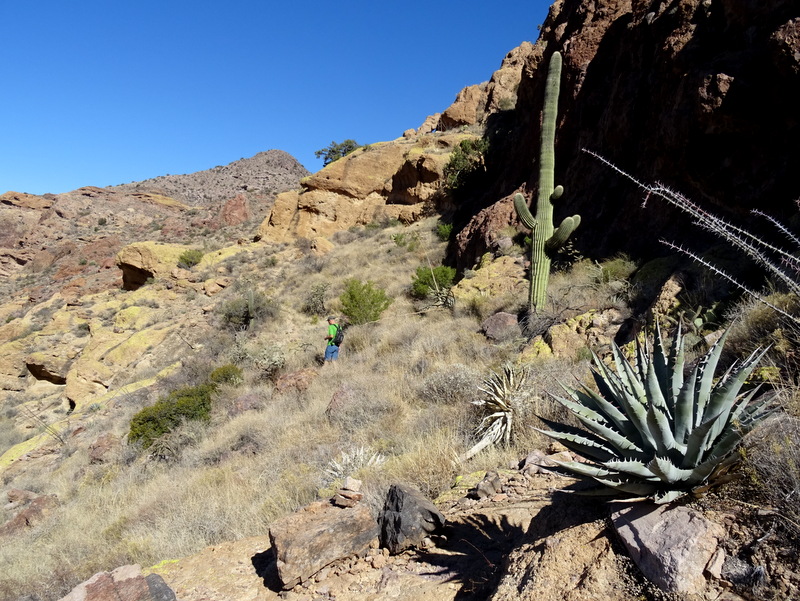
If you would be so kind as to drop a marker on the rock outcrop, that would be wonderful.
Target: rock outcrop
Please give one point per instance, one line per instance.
(389, 180)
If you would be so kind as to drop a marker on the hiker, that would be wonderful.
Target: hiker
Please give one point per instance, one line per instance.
(332, 350)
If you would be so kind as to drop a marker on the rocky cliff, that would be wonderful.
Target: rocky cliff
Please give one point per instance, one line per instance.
(699, 94)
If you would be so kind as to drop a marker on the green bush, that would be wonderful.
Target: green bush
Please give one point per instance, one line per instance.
(363, 302)
(444, 231)
(465, 161)
(190, 258)
(190, 403)
(227, 374)
(251, 306)
(427, 279)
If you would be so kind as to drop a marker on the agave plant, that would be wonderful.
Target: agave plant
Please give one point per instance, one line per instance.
(504, 401)
(650, 432)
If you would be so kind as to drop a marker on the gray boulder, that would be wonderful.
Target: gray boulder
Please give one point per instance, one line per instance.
(671, 545)
(407, 518)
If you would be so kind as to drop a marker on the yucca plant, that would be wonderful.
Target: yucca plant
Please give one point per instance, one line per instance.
(653, 433)
(503, 403)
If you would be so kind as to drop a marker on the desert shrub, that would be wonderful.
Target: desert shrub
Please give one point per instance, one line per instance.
(227, 374)
(620, 267)
(190, 403)
(314, 303)
(239, 313)
(428, 279)
(455, 384)
(465, 161)
(363, 302)
(410, 241)
(773, 462)
(444, 231)
(190, 258)
(265, 359)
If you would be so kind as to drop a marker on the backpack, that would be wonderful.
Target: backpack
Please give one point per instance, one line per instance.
(339, 338)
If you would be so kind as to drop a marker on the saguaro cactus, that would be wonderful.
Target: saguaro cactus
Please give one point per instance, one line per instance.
(545, 241)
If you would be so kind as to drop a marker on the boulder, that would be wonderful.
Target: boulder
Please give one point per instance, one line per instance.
(34, 512)
(102, 449)
(407, 518)
(143, 260)
(501, 326)
(317, 535)
(126, 583)
(672, 546)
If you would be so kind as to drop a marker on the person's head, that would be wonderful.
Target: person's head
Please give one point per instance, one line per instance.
(332, 319)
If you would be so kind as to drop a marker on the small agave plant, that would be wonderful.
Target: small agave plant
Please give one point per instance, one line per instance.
(504, 401)
(652, 433)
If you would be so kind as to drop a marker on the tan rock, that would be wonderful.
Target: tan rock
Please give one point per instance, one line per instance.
(466, 110)
(391, 179)
(25, 201)
(143, 260)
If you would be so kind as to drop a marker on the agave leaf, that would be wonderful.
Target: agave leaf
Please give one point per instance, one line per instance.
(662, 497)
(724, 396)
(633, 468)
(642, 361)
(676, 363)
(659, 424)
(582, 442)
(578, 408)
(633, 407)
(624, 447)
(639, 488)
(583, 469)
(684, 408)
(705, 381)
(737, 430)
(697, 444)
(660, 366)
(611, 412)
(669, 472)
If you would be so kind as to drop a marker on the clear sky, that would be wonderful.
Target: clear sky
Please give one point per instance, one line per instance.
(104, 92)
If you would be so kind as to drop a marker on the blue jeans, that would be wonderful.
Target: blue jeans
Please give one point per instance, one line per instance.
(331, 352)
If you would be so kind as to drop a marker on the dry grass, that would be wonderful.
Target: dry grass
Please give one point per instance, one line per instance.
(406, 380)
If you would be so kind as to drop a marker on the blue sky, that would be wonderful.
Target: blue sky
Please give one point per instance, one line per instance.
(108, 92)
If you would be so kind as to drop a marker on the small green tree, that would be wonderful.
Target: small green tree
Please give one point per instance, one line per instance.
(190, 258)
(429, 278)
(336, 150)
(363, 302)
(190, 403)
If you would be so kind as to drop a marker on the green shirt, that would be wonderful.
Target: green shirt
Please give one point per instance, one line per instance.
(332, 329)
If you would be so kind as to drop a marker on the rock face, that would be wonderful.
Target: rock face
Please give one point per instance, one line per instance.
(671, 545)
(699, 95)
(307, 541)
